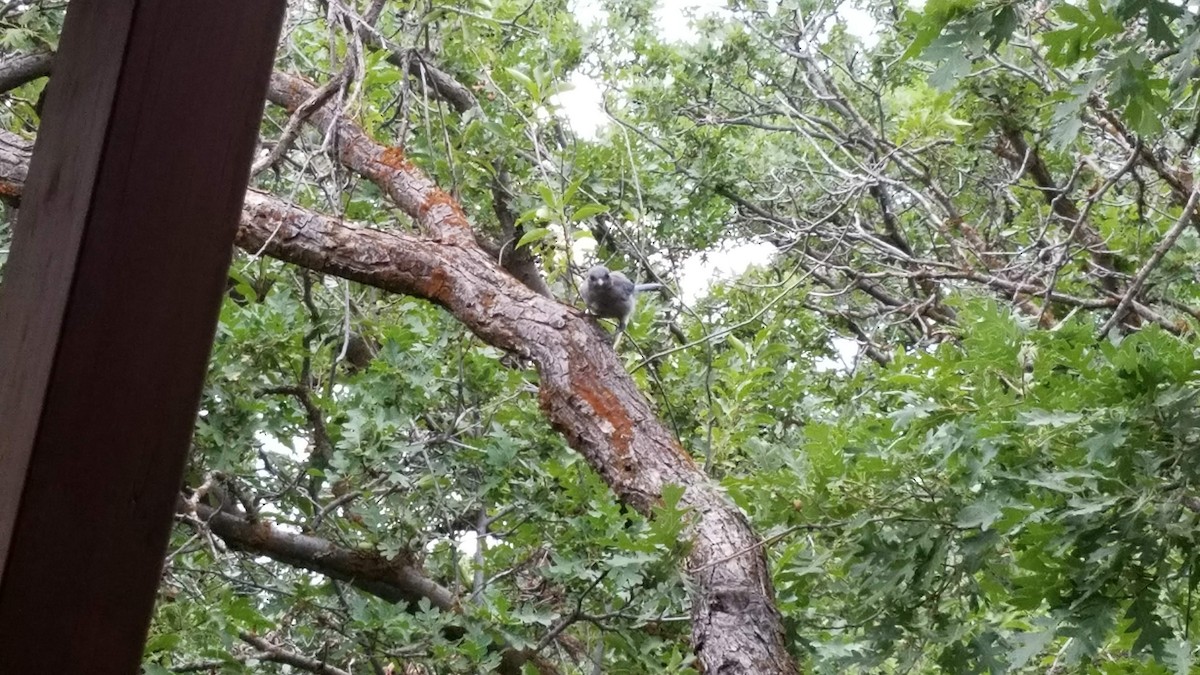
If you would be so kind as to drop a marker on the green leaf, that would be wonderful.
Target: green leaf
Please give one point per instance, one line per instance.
(243, 285)
(1179, 656)
(526, 81)
(533, 617)
(1004, 23)
(952, 69)
(980, 514)
(1064, 46)
(1108, 437)
(1042, 418)
(536, 234)
(569, 193)
(1029, 645)
(630, 560)
(1153, 633)
(548, 197)
(587, 211)
(1071, 14)
(738, 345)
(163, 642)
(929, 32)
(915, 410)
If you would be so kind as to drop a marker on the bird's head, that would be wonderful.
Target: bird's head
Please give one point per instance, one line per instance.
(598, 276)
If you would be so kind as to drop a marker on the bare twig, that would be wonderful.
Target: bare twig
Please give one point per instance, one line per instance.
(296, 123)
(1139, 279)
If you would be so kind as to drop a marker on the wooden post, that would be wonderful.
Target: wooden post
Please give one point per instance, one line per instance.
(107, 312)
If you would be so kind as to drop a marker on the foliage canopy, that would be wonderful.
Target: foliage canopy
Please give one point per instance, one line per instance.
(991, 202)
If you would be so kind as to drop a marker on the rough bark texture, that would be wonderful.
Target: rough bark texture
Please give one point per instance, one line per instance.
(584, 389)
(15, 153)
(586, 394)
(21, 68)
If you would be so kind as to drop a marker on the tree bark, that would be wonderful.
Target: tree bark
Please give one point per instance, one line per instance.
(587, 396)
(394, 580)
(584, 389)
(21, 68)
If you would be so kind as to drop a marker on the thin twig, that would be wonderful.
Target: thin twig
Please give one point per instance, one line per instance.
(292, 129)
(1139, 279)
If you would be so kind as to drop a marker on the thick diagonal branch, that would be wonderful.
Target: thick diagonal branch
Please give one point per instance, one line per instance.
(584, 389)
(402, 182)
(585, 393)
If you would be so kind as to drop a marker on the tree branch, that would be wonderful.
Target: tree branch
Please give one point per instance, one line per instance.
(584, 390)
(24, 68)
(1139, 279)
(272, 652)
(394, 580)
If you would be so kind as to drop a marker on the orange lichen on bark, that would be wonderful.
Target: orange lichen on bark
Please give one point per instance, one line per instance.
(609, 408)
(436, 286)
(436, 197)
(394, 157)
(10, 189)
(260, 533)
(449, 228)
(487, 302)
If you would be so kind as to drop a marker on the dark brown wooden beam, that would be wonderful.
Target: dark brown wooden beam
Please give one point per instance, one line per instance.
(107, 311)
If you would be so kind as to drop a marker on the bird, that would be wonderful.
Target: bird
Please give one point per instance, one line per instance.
(611, 295)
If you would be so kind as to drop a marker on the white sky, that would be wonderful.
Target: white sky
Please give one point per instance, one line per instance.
(583, 108)
(701, 270)
(582, 104)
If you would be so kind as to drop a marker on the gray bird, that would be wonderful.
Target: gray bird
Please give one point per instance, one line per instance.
(610, 295)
